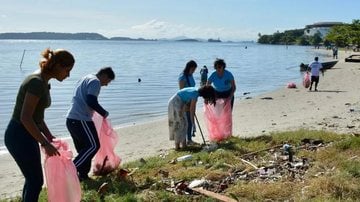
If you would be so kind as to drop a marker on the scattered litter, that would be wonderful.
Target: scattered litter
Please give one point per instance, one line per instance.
(211, 147)
(214, 195)
(142, 161)
(249, 163)
(279, 163)
(103, 188)
(288, 151)
(184, 158)
(197, 183)
(163, 173)
(265, 171)
(354, 157)
(122, 173)
(179, 188)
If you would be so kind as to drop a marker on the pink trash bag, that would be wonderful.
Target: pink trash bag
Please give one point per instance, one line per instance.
(218, 120)
(105, 160)
(306, 80)
(291, 85)
(61, 176)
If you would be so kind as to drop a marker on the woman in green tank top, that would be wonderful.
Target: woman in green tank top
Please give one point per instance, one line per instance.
(27, 127)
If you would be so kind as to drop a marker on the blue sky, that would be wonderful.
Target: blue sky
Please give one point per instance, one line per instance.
(226, 19)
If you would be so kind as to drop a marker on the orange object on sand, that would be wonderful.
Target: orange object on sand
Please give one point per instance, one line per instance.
(306, 80)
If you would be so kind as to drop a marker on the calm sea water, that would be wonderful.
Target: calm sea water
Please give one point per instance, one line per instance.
(257, 69)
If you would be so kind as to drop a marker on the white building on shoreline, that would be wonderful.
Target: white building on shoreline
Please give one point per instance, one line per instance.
(322, 27)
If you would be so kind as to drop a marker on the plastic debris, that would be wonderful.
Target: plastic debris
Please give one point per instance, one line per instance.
(184, 158)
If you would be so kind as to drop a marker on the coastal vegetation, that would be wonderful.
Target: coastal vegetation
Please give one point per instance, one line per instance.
(339, 35)
(344, 35)
(325, 167)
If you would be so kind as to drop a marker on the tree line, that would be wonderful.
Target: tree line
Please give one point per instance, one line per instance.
(339, 35)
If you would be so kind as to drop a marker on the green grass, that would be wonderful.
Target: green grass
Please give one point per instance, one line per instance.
(333, 175)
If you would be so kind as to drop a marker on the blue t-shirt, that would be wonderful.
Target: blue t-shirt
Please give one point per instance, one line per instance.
(188, 94)
(221, 84)
(79, 109)
(182, 77)
(315, 68)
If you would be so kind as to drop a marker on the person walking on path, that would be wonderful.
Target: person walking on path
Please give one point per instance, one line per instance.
(315, 68)
(27, 128)
(176, 107)
(335, 52)
(79, 118)
(223, 81)
(185, 80)
(203, 75)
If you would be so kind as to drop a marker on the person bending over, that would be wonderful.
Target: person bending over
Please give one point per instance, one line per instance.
(176, 111)
(79, 118)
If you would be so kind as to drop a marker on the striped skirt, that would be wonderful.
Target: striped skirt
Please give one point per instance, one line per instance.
(177, 120)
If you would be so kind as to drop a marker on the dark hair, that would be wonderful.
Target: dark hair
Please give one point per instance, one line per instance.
(220, 62)
(53, 57)
(108, 71)
(208, 93)
(316, 58)
(189, 65)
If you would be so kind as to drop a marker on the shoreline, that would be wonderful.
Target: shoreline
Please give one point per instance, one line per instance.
(335, 107)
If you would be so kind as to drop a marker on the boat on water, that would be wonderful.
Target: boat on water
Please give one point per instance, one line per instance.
(326, 65)
(353, 58)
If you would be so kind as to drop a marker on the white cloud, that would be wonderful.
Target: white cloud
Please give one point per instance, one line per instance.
(160, 29)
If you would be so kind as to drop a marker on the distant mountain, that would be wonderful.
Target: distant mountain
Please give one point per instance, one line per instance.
(89, 36)
(53, 36)
(130, 39)
(188, 40)
(65, 36)
(178, 38)
(214, 40)
(185, 39)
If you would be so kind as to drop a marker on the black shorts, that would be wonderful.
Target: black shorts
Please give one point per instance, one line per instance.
(315, 79)
(224, 94)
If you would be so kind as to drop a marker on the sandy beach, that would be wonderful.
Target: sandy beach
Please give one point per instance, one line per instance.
(335, 107)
